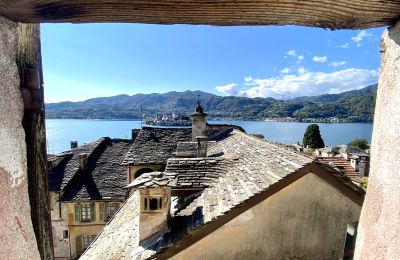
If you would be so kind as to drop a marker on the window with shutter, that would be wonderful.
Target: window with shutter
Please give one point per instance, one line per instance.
(77, 213)
(102, 212)
(85, 212)
(78, 245)
(93, 211)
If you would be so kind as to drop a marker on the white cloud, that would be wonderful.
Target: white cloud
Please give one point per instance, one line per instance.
(360, 36)
(309, 83)
(291, 53)
(338, 63)
(300, 57)
(231, 88)
(248, 79)
(301, 70)
(343, 46)
(285, 71)
(319, 59)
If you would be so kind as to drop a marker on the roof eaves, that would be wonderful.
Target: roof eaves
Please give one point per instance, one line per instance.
(209, 227)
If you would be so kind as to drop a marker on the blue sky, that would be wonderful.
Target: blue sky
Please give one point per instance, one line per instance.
(82, 61)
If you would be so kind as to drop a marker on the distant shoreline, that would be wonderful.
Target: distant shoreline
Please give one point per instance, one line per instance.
(227, 120)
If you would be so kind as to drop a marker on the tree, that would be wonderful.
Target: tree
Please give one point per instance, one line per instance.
(312, 137)
(360, 143)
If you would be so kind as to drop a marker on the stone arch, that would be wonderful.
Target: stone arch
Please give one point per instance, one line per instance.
(141, 171)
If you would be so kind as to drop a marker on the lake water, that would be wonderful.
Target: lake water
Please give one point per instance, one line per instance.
(61, 131)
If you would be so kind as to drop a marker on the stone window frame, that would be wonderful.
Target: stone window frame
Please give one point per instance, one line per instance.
(145, 205)
(65, 233)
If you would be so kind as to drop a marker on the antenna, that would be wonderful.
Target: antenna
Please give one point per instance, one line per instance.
(141, 116)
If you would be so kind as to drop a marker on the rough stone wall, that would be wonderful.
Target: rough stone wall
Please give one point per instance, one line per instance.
(16, 232)
(61, 244)
(379, 229)
(306, 220)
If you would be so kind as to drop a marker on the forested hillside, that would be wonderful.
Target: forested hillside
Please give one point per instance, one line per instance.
(355, 106)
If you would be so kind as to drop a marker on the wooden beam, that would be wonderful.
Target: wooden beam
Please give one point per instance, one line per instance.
(333, 14)
(31, 82)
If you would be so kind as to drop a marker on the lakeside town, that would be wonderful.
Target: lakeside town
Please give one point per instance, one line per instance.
(93, 207)
(270, 130)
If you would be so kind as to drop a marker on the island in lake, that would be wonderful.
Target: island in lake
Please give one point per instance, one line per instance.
(351, 106)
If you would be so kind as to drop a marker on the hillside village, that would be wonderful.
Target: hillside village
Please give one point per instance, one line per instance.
(171, 192)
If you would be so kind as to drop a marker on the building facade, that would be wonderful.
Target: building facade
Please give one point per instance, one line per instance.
(87, 186)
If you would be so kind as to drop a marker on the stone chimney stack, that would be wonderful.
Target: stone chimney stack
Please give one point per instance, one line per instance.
(362, 168)
(83, 161)
(202, 146)
(199, 123)
(154, 211)
(74, 144)
(135, 133)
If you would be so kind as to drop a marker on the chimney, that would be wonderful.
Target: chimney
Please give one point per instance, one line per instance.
(135, 133)
(201, 146)
(74, 144)
(83, 161)
(199, 123)
(154, 211)
(362, 168)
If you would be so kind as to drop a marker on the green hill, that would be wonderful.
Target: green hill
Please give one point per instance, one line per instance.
(356, 105)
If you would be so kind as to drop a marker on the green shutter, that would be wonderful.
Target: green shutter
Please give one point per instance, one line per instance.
(92, 212)
(102, 211)
(78, 241)
(77, 213)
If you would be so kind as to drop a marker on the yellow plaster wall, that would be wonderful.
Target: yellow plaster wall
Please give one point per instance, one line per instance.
(306, 220)
(77, 228)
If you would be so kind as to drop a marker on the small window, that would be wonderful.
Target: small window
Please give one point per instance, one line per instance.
(85, 212)
(111, 208)
(153, 204)
(65, 234)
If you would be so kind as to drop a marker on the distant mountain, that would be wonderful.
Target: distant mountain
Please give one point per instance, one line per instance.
(356, 105)
(327, 98)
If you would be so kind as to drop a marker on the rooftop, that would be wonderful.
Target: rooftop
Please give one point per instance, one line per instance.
(341, 165)
(155, 145)
(105, 177)
(246, 171)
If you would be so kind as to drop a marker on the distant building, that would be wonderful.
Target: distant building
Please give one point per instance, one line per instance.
(356, 157)
(87, 186)
(233, 196)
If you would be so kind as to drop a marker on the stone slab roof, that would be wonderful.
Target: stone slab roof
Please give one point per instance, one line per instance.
(247, 171)
(105, 177)
(246, 166)
(60, 175)
(155, 145)
(184, 173)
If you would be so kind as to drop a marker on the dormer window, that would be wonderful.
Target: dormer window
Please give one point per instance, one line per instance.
(154, 210)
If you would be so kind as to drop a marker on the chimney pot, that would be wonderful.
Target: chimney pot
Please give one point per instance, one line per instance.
(74, 144)
(83, 161)
(201, 146)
